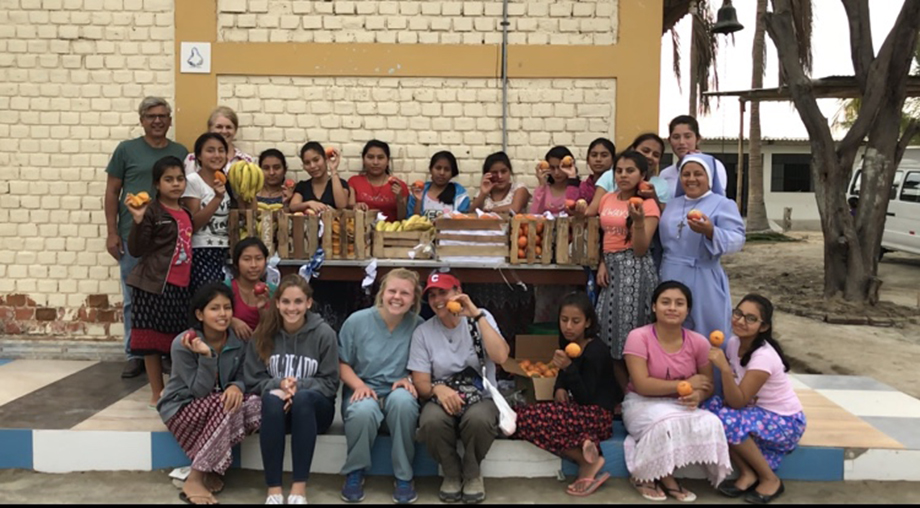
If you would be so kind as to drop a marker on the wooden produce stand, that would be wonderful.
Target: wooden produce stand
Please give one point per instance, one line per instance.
(464, 230)
(537, 234)
(398, 244)
(578, 241)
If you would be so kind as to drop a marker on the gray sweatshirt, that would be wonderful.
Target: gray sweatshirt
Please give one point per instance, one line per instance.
(195, 376)
(310, 354)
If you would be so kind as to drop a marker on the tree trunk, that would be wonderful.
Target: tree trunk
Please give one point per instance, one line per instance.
(852, 244)
(757, 209)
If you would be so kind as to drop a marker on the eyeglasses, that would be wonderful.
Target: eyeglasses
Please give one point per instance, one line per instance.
(749, 318)
(156, 117)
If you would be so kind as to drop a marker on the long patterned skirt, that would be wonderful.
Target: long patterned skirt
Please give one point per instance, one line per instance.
(208, 434)
(625, 304)
(775, 435)
(556, 427)
(207, 266)
(157, 319)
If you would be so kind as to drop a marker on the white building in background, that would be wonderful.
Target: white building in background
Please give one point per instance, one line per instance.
(786, 173)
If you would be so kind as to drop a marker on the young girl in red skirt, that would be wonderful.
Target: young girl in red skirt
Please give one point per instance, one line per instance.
(203, 404)
(581, 416)
(161, 237)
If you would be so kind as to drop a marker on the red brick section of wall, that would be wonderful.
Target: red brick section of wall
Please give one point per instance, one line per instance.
(96, 318)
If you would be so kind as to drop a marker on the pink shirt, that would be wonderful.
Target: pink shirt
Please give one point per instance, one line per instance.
(181, 270)
(242, 310)
(544, 201)
(684, 364)
(777, 394)
(613, 214)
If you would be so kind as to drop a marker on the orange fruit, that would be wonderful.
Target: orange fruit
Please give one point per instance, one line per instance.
(418, 184)
(522, 242)
(540, 228)
(330, 152)
(695, 215)
(538, 250)
(454, 307)
(716, 338)
(220, 177)
(544, 165)
(522, 254)
(684, 388)
(636, 201)
(573, 350)
(643, 185)
(568, 160)
(289, 183)
(538, 240)
(523, 230)
(570, 203)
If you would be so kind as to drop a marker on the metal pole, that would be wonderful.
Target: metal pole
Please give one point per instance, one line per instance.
(740, 196)
(505, 76)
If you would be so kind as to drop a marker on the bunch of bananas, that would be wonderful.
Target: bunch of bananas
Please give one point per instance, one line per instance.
(245, 179)
(414, 223)
(270, 208)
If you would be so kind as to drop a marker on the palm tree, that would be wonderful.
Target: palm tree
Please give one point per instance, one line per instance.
(703, 48)
(757, 209)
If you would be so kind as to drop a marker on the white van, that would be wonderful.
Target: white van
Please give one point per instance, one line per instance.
(902, 225)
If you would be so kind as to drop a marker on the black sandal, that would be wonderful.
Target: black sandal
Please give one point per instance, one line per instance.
(729, 489)
(689, 497)
(755, 497)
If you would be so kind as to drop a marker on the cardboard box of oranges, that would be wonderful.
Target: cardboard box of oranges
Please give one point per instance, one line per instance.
(532, 366)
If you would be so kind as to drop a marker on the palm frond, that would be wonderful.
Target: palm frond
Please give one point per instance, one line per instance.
(803, 18)
(675, 48)
(707, 53)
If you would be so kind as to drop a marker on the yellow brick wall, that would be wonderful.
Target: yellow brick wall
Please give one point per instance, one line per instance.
(72, 73)
(419, 117)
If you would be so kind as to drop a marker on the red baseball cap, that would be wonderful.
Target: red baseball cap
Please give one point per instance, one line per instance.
(440, 280)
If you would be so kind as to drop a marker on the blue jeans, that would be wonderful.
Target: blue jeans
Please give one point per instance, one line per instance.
(127, 263)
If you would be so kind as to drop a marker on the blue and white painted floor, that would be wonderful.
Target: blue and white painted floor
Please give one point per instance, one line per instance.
(63, 416)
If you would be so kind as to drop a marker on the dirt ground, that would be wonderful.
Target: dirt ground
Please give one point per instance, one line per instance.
(791, 275)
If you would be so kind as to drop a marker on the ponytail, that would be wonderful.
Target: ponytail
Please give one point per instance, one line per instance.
(766, 336)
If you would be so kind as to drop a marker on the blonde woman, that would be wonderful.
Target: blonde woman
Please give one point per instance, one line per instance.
(373, 357)
(223, 121)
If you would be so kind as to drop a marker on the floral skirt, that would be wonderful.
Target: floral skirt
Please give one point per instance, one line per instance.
(208, 434)
(556, 427)
(775, 435)
(625, 304)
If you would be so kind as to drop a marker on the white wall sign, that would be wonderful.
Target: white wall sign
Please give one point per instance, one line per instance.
(195, 57)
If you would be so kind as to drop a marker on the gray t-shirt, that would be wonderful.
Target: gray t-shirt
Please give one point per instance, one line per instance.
(442, 351)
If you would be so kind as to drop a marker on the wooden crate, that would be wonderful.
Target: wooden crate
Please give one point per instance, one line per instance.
(350, 242)
(459, 230)
(259, 223)
(397, 244)
(298, 236)
(545, 256)
(578, 241)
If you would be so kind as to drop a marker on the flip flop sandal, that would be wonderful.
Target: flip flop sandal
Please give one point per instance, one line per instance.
(643, 488)
(689, 497)
(189, 499)
(219, 490)
(592, 485)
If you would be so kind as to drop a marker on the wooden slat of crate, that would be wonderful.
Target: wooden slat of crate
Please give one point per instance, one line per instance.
(584, 239)
(447, 224)
(472, 251)
(397, 244)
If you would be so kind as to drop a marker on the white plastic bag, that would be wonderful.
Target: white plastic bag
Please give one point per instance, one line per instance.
(507, 418)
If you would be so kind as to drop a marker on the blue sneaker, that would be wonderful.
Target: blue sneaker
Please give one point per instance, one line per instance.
(404, 492)
(353, 490)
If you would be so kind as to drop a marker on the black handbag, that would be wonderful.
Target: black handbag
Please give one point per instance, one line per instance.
(468, 382)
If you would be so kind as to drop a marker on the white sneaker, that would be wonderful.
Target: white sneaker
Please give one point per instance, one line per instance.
(275, 499)
(296, 499)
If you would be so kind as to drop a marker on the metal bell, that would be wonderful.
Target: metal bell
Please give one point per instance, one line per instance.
(727, 19)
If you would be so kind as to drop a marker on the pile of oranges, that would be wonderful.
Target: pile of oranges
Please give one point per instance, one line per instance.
(524, 230)
(538, 369)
